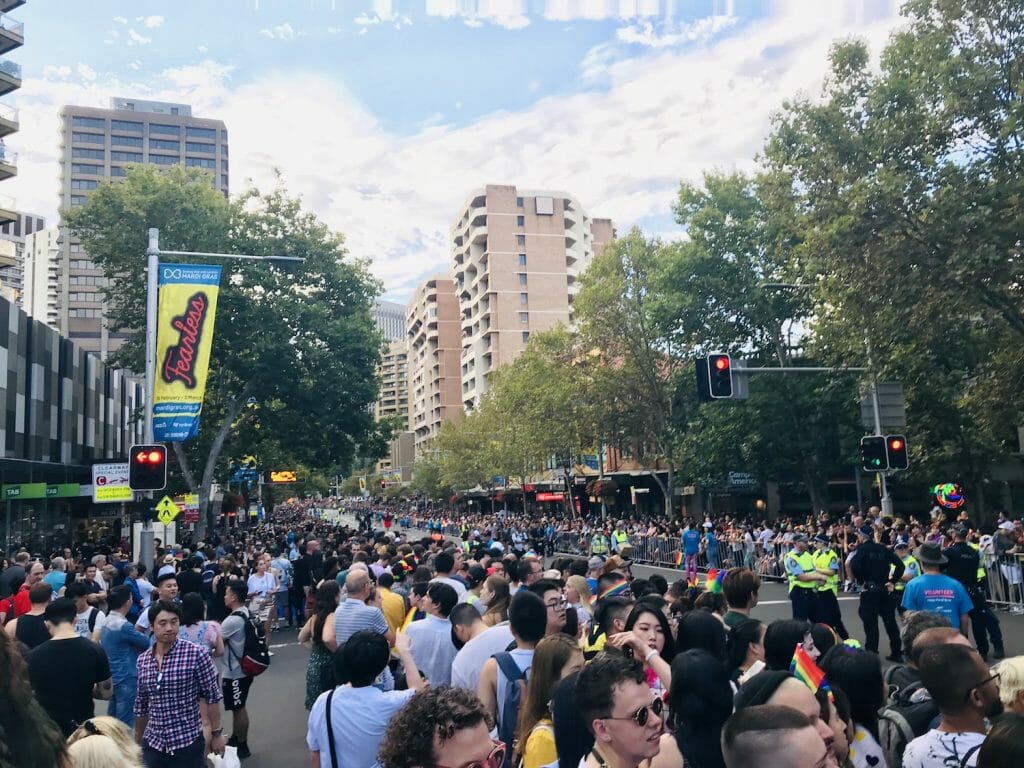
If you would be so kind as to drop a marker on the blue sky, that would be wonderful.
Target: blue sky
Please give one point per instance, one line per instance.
(386, 115)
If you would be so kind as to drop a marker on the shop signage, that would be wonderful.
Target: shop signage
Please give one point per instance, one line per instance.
(29, 491)
(741, 481)
(110, 482)
(550, 497)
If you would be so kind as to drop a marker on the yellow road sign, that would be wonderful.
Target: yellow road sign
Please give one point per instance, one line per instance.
(283, 476)
(167, 510)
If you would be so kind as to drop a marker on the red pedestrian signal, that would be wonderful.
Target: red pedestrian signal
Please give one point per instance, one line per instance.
(147, 467)
(719, 377)
(383, 483)
(896, 452)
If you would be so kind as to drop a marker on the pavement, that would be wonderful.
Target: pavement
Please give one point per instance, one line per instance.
(277, 735)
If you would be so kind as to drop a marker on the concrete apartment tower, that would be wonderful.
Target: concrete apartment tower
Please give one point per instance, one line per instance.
(12, 36)
(432, 317)
(393, 400)
(96, 145)
(517, 256)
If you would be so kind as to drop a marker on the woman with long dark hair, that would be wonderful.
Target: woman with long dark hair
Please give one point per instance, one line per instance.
(495, 595)
(319, 632)
(555, 657)
(28, 737)
(746, 647)
(859, 674)
(700, 701)
(649, 636)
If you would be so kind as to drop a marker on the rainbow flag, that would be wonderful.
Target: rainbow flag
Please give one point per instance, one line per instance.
(714, 580)
(806, 671)
(679, 559)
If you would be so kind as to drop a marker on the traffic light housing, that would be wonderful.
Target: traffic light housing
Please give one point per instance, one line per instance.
(147, 467)
(714, 377)
(873, 457)
(896, 452)
(383, 483)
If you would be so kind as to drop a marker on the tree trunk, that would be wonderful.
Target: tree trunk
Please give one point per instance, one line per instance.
(186, 468)
(206, 518)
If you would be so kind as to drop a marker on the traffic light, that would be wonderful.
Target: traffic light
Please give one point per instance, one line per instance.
(719, 377)
(383, 483)
(873, 456)
(896, 452)
(147, 467)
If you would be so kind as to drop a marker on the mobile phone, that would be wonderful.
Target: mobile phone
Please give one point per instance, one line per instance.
(755, 669)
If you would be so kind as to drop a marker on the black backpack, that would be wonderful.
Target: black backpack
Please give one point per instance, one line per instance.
(255, 656)
(909, 713)
(515, 692)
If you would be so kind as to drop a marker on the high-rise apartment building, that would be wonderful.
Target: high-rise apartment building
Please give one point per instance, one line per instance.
(390, 319)
(12, 35)
(434, 381)
(12, 254)
(40, 270)
(96, 145)
(393, 400)
(517, 258)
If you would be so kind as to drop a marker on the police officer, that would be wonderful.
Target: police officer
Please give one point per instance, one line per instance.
(877, 569)
(599, 544)
(620, 538)
(826, 562)
(964, 564)
(912, 569)
(803, 579)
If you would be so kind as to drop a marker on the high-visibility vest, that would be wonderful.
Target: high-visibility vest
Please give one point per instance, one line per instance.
(823, 562)
(909, 561)
(981, 561)
(621, 538)
(599, 545)
(800, 562)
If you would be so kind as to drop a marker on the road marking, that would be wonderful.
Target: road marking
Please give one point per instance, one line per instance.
(283, 645)
(786, 602)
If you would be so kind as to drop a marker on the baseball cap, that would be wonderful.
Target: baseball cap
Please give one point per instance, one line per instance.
(902, 542)
(595, 563)
(799, 538)
(1006, 525)
(866, 530)
(822, 538)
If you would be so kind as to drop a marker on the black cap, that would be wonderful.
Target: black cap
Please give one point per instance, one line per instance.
(759, 688)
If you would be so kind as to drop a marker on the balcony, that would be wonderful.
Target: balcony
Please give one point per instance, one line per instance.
(9, 120)
(10, 76)
(8, 164)
(8, 210)
(10, 5)
(12, 33)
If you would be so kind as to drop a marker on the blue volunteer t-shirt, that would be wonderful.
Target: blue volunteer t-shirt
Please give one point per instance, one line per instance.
(938, 593)
(691, 542)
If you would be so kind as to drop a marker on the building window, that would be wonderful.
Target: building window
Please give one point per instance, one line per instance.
(524, 298)
(522, 278)
(524, 317)
(519, 202)
(88, 122)
(522, 259)
(224, 165)
(78, 199)
(200, 162)
(224, 181)
(87, 138)
(201, 133)
(520, 221)
(167, 130)
(91, 170)
(125, 141)
(164, 160)
(90, 154)
(526, 336)
(520, 239)
(164, 144)
(191, 146)
(127, 157)
(84, 184)
(126, 125)
(117, 170)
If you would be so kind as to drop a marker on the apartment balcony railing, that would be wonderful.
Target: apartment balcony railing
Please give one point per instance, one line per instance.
(12, 33)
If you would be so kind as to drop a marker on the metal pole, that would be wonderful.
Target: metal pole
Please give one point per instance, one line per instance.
(877, 413)
(145, 552)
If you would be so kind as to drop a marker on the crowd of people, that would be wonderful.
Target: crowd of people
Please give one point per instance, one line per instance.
(469, 642)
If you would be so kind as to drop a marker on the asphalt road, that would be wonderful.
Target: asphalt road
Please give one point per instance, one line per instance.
(277, 735)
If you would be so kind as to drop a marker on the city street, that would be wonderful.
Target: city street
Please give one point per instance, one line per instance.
(277, 736)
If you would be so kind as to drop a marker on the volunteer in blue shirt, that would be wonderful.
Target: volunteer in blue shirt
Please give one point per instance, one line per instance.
(691, 549)
(934, 591)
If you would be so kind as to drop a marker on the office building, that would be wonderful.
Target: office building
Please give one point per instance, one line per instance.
(390, 319)
(393, 399)
(518, 256)
(40, 268)
(434, 381)
(96, 145)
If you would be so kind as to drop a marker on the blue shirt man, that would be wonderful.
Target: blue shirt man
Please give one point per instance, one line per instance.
(691, 542)
(933, 591)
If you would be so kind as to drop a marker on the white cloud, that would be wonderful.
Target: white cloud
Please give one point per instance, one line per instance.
(644, 33)
(86, 72)
(665, 115)
(152, 22)
(202, 48)
(280, 32)
(135, 65)
(510, 14)
(53, 72)
(364, 19)
(120, 20)
(134, 38)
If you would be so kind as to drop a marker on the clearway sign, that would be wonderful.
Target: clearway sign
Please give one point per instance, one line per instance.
(110, 482)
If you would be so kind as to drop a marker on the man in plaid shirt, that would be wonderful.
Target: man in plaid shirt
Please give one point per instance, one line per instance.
(176, 679)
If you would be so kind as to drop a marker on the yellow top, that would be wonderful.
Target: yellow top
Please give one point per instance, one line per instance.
(393, 608)
(540, 745)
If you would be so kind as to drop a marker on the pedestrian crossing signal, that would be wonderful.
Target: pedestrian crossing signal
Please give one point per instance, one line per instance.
(873, 454)
(147, 467)
(896, 452)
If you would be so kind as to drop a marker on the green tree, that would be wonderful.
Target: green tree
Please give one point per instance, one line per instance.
(296, 339)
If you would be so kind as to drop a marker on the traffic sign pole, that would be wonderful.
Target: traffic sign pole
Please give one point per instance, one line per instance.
(145, 553)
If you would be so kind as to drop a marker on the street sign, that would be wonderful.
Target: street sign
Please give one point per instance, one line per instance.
(892, 407)
(283, 476)
(110, 482)
(166, 510)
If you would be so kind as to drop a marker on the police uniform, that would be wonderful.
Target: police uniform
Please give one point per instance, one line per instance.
(964, 564)
(802, 594)
(877, 569)
(826, 562)
(910, 566)
(599, 545)
(620, 539)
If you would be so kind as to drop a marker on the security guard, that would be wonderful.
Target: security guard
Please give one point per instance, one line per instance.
(599, 544)
(620, 538)
(803, 579)
(912, 569)
(877, 569)
(826, 562)
(964, 564)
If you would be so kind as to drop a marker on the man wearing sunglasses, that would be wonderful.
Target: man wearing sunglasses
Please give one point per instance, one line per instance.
(967, 694)
(619, 709)
(555, 603)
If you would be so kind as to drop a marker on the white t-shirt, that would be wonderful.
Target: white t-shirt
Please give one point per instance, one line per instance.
(937, 749)
(82, 622)
(865, 751)
(261, 585)
(471, 657)
(146, 590)
(359, 717)
(458, 586)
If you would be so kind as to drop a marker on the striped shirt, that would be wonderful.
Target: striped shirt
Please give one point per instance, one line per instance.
(354, 616)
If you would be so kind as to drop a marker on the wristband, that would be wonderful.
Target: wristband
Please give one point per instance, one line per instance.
(650, 655)
(217, 732)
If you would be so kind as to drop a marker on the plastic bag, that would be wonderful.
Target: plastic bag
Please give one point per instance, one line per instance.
(228, 760)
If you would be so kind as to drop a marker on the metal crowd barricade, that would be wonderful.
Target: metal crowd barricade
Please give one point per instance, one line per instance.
(1005, 587)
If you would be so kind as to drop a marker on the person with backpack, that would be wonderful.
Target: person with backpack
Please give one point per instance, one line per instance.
(89, 619)
(967, 694)
(504, 676)
(555, 657)
(240, 633)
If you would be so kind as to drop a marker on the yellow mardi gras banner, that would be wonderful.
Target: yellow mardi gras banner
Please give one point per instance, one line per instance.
(184, 337)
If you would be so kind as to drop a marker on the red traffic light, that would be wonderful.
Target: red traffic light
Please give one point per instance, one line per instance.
(896, 444)
(155, 457)
(147, 470)
(721, 363)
